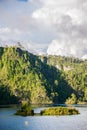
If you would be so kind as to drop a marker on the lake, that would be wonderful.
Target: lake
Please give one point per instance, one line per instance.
(8, 121)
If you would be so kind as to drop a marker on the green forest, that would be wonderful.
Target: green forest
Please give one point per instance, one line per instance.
(41, 79)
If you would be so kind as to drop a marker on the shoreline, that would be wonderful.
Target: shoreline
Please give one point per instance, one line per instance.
(43, 105)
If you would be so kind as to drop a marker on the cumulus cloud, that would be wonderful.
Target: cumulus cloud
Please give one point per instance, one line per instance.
(68, 21)
(60, 27)
(68, 48)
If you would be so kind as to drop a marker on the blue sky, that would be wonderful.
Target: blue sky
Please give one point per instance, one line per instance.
(23, 0)
(50, 27)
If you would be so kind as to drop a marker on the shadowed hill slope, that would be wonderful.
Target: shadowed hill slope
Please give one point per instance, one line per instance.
(30, 78)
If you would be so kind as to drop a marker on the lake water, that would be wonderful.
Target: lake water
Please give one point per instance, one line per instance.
(8, 121)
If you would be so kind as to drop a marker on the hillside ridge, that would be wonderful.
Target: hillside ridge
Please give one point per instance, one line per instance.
(41, 79)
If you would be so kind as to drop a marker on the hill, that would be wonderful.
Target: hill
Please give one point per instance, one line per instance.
(40, 79)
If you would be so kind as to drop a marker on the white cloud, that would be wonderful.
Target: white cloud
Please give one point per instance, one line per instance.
(68, 22)
(4, 30)
(52, 10)
(7, 33)
(66, 47)
(60, 24)
(84, 57)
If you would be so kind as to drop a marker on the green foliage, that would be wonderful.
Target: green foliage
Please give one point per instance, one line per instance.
(72, 99)
(59, 111)
(74, 72)
(39, 79)
(24, 105)
(23, 76)
(26, 110)
(6, 97)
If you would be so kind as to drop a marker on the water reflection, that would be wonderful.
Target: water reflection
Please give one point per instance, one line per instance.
(26, 123)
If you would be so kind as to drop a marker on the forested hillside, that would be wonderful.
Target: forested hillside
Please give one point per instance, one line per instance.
(74, 72)
(39, 79)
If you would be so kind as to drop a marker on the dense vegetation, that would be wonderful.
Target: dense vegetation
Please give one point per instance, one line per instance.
(74, 72)
(39, 79)
(59, 111)
(25, 110)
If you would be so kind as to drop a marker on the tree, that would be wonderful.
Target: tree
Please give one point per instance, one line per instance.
(72, 99)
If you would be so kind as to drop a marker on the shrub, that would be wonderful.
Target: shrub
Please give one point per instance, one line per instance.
(59, 111)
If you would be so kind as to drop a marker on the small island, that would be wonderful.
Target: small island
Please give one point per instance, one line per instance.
(27, 110)
(60, 111)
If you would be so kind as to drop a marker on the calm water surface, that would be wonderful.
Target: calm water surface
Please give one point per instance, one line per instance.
(8, 121)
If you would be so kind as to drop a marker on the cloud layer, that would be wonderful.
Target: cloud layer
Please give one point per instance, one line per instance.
(60, 27)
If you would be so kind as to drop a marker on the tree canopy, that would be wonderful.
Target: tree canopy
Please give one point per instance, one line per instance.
(40, 79)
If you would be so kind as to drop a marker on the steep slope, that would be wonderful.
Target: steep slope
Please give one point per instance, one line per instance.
(74, 71)
(19, 71)
(24, 76)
